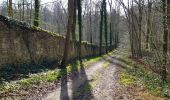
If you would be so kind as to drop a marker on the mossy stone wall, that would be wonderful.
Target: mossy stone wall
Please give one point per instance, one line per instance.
(20, 44)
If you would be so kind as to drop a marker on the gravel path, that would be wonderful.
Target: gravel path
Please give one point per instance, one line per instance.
(107, 86)
(67, 89)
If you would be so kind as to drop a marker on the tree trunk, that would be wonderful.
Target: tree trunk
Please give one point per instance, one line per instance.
(31, 14)
(74, 21)
(111, 21)
(165, 41)
(110, 36)
(23, 9)
(91, 34)
(148, 25)
(105, 22)
(80, 26)
(10, 10)
(69, 27)
(168, 21)
(140, 30)
(117, 27)
(101, 29)
(36, 13)
(132, 30)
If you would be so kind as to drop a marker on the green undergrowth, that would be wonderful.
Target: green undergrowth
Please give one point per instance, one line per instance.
(106, 64)
(127, 79)
(135, 74)
(44, 77)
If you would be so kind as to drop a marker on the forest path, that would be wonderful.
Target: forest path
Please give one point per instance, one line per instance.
(98, 82)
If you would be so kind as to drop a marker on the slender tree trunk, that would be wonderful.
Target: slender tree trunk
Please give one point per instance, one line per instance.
(101, 29)
(36, 13)
(165, 41)
(117, 27)
(114, 28)
(148, 25)
(132, 30)
(20, 13)
(91, 34)
(31, 13)
(105, 21)
(110, 36)
(80, 26)
(140, 30)
(74, 21)
(10, 10)
(27, 12)
(128, 15)
(23, 9)
(111, 21)
(168, 21)
(67, 40)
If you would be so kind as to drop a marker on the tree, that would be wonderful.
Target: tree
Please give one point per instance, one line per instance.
(74, 21)
(117, 19)
(105, 23)
(23, 10)
(90, 17)
(165, 40)
(10, 10)
(148, 24)
(140, 8)
(168, 22)
(134, 18)
(80, 25)
(36, 13)
(111, 22)
(69, 28)
(101, 29)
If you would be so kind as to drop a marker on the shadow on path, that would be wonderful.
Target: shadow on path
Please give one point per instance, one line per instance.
(64, 88)
(74, 89)
(118, 62)
(85, 89)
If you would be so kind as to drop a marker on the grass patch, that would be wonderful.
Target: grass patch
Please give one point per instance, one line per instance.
(37, 79)
(126, 79)
(91, 60)
(49, 76)
(148, 79)
(106, 64)
(152, 82)
(137, 74)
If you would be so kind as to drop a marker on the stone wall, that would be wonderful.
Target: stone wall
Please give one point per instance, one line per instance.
(20, 44)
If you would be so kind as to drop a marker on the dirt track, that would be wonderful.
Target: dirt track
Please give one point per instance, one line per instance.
(106, 85)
